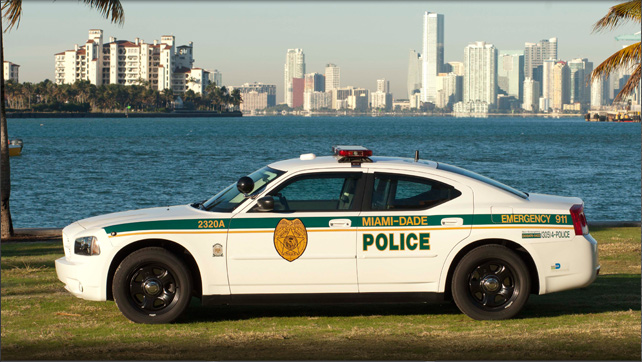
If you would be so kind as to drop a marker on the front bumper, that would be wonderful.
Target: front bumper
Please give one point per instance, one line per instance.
(81, 279)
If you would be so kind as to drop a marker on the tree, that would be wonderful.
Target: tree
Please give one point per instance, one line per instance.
(626, 57)
(11, 10)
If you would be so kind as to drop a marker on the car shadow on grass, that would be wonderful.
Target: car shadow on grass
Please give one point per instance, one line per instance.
(609, 293)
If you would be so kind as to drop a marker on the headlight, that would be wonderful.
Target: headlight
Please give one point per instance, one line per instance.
(87, 246)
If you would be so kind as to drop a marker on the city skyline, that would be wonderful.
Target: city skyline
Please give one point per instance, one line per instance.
(246, 41)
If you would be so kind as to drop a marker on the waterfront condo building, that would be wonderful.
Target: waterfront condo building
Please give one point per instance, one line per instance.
(449, 89)
(432, 55)
(11, 71)
(547, 78)
(381, 98)
(531, 95)
(160, 65)
(480, 73)
(332, 77)
(294, 68)
(510, 72)
(316, 100)
(599, 93)
(256, 96)
(561, 94)
(414, 73)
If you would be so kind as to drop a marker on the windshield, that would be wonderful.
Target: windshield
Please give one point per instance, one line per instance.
(478, 177)
(228, 199)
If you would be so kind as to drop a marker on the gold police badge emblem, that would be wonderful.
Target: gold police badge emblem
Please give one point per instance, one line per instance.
(290, 239)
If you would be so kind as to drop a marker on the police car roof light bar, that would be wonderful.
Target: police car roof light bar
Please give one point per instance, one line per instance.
(353, 154)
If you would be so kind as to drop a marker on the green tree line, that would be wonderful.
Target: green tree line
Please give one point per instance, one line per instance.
(82, 96)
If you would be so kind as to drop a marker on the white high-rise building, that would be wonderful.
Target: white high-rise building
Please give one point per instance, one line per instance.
(432, 56)
(294, 68)
(547, 78)
(531, 95)
(510, 72)
(332, 77)
(160, 65)
(383, 85)
(480, 75)
(561, 94)
(449, 89)
(599, 93)
(414, 73)
(11, 71)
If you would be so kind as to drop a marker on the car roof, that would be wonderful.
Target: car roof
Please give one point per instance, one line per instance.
(297, 164)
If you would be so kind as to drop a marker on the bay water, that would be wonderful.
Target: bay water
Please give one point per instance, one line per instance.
(76, 168)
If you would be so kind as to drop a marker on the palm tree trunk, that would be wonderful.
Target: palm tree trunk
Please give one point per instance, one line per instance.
(5, 187)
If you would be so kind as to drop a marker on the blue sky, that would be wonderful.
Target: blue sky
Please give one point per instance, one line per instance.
(247, 41)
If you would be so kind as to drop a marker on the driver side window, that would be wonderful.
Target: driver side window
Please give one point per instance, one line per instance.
(318, 192)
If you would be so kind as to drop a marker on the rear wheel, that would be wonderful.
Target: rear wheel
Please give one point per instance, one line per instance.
(152, 285)
(491, 282)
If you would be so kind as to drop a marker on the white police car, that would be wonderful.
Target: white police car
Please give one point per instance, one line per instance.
(343, 228)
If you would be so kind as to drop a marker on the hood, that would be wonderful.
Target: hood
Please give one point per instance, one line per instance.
(152, 214)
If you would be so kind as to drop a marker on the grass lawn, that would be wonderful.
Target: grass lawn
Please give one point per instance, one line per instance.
(40, 320)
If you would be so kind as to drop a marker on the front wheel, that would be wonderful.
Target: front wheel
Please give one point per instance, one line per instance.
(152, 286)
(491, 282)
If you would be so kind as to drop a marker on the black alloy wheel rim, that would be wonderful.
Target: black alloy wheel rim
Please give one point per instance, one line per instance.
(492, 285)
(153, 288)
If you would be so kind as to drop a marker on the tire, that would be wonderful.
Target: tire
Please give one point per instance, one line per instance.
(491, 282)
(152, 286)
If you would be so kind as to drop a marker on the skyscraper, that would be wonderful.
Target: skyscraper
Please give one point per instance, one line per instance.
(332, 77)
(547, 78)
(561, 94)
(599, 93)
(581, 70)
(535, 54)
(432, 56)
(414, 73)
(294, 68)
(383, 85)
(510, 72)
(480, 73)
(531, 95)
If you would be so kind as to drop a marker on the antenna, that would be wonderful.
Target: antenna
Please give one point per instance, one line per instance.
(416, 155)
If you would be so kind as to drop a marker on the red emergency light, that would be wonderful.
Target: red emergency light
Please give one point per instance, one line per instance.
(353, 154)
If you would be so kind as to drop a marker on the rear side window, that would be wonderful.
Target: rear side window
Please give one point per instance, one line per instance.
(402, 192)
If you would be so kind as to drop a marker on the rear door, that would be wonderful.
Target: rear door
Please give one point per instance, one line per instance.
(409, 224)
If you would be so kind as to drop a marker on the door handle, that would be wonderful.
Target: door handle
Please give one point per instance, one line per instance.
(340, 223)
(452, 221)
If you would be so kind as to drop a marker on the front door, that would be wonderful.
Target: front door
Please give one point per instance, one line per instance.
(307, 244)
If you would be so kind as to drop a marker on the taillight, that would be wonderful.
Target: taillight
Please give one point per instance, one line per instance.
(579, 220)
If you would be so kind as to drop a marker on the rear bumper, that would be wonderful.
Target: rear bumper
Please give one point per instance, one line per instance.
(568, 265)
(81, 279)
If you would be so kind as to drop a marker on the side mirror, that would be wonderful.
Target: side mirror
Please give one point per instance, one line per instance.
(245, 185)
(265, 203)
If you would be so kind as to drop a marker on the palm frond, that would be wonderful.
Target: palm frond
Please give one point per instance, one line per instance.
(618, 14)
(110, 9)
(12, 11)
(625, 57)
(630, 86)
